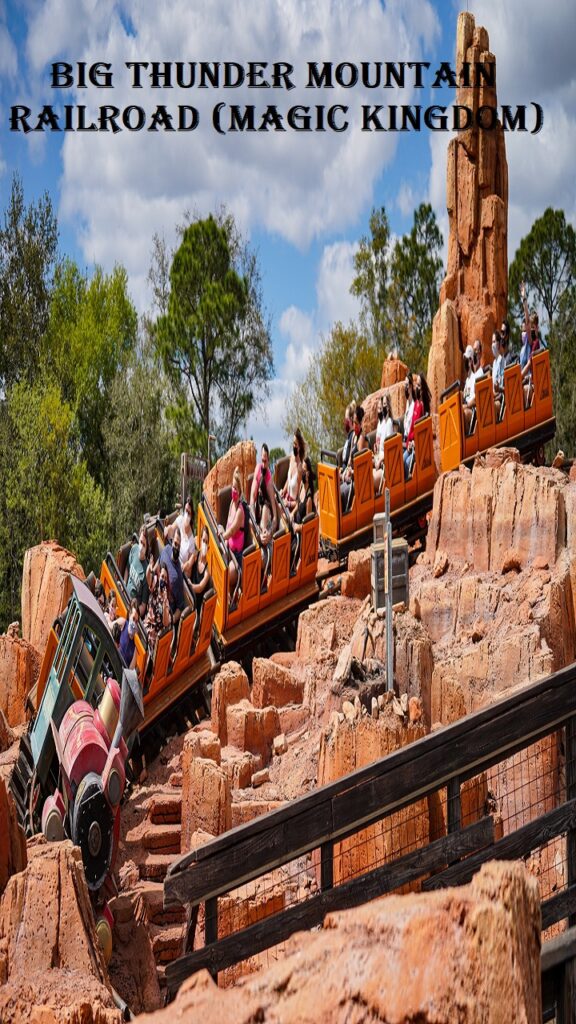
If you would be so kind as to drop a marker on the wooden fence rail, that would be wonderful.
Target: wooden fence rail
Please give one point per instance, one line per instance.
(446, 758)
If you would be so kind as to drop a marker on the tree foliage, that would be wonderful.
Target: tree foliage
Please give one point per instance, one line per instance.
(28, 257)
(140, 444)
(91, 333)
(348, 366)
(546, 261)
(398, 285)
(415, 272)
(46, 489)
(213, 338)
(562, 345)
(370, 285)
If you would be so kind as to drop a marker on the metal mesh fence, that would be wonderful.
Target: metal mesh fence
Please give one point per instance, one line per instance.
(515, 792)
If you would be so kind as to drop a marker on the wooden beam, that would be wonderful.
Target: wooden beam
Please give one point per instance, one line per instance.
(278, 927)
(562, 905)
(519, 843)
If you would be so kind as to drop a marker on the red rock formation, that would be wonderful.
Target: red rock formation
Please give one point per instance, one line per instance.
(273, 684)
(351, 745)
(12, 841)
(6, 734)
(19, 668)
(243, 455)
(132, 968)
(324, 628)
(461, 956)
(230, 686)
(51, 968)
(356, 580)
(393, 372)
(200, 742)
(45, 589)
(206, 800)
(473, 298)
(479, 516)
(252, 729)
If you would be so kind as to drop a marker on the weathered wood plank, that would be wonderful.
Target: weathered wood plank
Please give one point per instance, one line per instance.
(511, 847)
(557, 950)
(278, 927)
(248, 858)
(562, 905)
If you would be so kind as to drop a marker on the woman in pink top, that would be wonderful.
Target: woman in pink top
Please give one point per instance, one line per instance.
(234, 532)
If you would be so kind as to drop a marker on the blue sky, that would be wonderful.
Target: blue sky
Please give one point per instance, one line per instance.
(303, 199)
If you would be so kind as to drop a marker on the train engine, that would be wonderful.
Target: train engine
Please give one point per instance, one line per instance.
(70, 775)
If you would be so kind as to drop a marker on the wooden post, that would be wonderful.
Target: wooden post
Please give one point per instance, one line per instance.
(211, 926)
(454, 809)
(327, 865)
(570, 794)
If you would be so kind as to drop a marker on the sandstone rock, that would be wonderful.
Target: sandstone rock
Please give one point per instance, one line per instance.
(356, 742)
(479, 517)
(356, 581)
(280, 746)
(325, 627)
(12, 840)
(200, 743)
(51, 968)
(6, 734)
(19, 668)
(240, 766)
(460, 956)
(393, 372)
(512, 561)
(132, 968)
(243, 455)
(285, 658)
(293, 718)
(230, 686)
(46, 588)
(252, 729)
(259, 778)
(206, 800)
(441, 564)
(274, 684)
(445, 356)
(473, 297)
(247, 810)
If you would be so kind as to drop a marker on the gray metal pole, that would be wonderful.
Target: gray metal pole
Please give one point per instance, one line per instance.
(389, 640)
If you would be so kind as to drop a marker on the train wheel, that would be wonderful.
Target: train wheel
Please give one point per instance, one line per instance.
(540, 456)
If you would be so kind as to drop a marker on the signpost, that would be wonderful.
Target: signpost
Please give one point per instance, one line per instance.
(389, 578)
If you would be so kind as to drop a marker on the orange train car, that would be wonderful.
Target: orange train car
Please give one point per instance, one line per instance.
(526, 418)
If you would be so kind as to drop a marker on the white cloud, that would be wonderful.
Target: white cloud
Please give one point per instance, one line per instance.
(406, 200)
(534, 46)
(302, 332)
(121, 188)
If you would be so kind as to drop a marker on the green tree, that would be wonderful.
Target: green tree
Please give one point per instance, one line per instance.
(562, 344)
(212, 334)
(47, 491)
(140, 444)
(371, 283)
(416, 273)
(28, 258)
(276, 454)
(348, 366)
(91, 334)
(546, 261)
